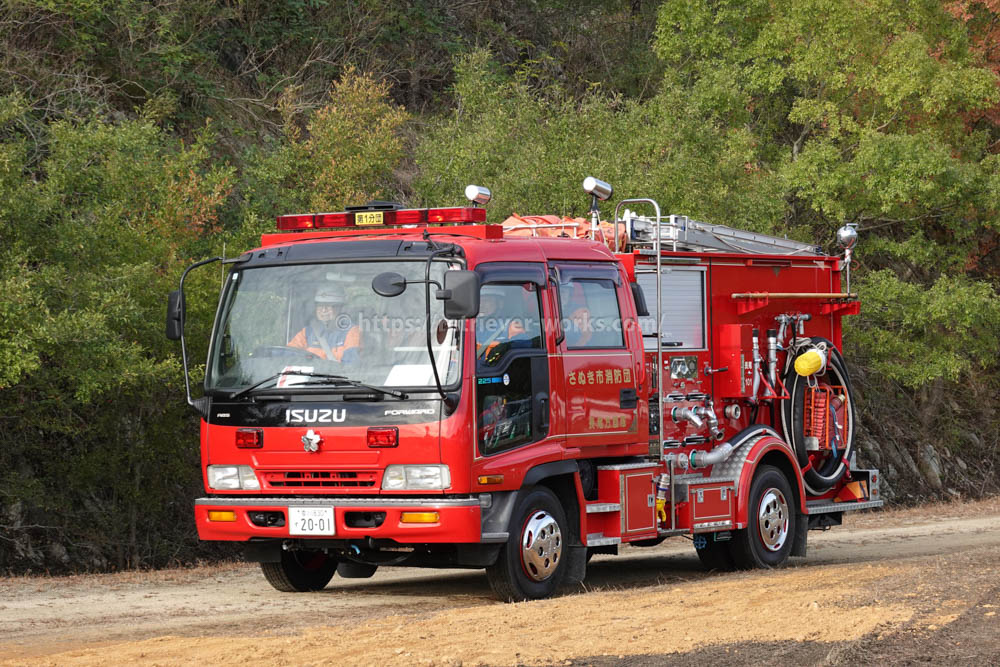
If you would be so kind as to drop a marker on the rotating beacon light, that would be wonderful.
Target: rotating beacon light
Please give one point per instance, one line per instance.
(847, 238)
(598, 190)
(478, 195)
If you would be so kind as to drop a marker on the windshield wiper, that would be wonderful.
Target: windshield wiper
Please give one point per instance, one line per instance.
(341, 380)
(258, 385)
(320, 378)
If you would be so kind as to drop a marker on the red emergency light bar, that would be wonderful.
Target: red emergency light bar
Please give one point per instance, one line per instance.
(383, 218)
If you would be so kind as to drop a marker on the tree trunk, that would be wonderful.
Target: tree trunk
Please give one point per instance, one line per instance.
(929, 404)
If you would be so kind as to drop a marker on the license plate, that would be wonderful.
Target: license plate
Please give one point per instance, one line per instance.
(310, 521)
(368, 218)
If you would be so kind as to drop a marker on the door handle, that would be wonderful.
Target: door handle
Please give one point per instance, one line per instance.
(542, 414)
(627, 399)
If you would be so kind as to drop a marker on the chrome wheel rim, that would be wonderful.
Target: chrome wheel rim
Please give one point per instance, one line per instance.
(772, 520)
(541, 545)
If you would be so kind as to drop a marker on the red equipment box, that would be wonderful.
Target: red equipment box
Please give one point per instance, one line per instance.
(711, 506)
(631, 485)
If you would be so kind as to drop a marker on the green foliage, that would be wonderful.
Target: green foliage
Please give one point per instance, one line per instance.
(93, 238)
(233, 60)
(533, 148)
(792, 117)
(22, 307)
(915, 334)
(858, 110)
(789, 117)
(346, 155)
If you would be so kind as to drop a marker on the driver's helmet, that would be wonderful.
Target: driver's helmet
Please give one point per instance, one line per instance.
(330, 294)
(494, 293)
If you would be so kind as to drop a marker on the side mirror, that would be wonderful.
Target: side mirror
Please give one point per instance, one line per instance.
(389, 283)
(175, 315)
(460, 294)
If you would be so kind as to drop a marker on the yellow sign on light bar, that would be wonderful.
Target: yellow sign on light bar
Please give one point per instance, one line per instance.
(362, 218)
(419, 517)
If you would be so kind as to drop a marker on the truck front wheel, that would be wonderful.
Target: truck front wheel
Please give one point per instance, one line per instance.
(531, 564)
(767, 540)
(300, 571)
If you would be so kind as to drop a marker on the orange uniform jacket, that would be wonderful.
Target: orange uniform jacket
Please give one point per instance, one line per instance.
(340, 342)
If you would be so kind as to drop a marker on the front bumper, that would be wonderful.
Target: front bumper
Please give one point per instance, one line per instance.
(460, 519)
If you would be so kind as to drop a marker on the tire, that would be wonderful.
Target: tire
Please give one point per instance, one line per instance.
(767, 540)
(826, 472)
(522, 573)
(714, 556)
(300, 571)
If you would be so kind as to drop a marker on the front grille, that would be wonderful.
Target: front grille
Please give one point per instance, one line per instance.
(319, 478)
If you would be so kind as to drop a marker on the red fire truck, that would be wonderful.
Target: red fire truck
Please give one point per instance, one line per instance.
(391, 386)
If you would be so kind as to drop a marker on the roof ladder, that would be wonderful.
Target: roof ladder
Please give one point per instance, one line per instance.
(685, 234)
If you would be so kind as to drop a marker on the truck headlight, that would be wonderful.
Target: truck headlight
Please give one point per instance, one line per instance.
(248, 480)
(413, 477)
(231, 478)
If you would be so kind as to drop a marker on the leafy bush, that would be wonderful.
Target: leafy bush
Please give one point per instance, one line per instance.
(344, 155)
(533, 148)
(786, 118)
(100, 463)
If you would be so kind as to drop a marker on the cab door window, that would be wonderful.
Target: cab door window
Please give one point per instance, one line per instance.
(591, 315)
(509, 320)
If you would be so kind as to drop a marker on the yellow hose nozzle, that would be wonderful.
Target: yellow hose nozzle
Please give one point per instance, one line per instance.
(810, 362)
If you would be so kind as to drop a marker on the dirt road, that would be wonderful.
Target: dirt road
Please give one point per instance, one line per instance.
(906, 586)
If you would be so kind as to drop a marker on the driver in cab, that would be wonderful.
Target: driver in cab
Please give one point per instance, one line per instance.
(330, 334)
(494, 326)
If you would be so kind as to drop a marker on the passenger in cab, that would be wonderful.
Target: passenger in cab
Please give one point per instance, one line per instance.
(580, 329)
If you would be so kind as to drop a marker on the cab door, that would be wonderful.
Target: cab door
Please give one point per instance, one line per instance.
(512, 366)
(598, 366)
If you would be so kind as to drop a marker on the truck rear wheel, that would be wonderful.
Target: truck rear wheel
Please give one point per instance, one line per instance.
(531, 564)
(767, 540)
(300, 571)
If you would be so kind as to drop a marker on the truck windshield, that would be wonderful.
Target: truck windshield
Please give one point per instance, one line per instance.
(296, 322)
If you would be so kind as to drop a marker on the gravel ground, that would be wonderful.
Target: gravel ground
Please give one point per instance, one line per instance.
(910, 586)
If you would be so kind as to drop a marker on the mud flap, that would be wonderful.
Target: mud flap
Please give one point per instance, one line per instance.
(576, 565)
(352, 570)
(477, 555)
(496, 516)
(262, 552)
(801, 533)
